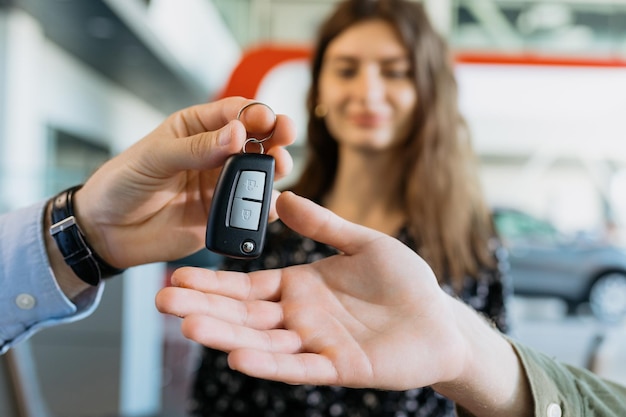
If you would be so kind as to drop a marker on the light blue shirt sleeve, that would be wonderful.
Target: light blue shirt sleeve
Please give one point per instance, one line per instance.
(30, 298)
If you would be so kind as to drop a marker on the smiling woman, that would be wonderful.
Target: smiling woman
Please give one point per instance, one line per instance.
(381, 151)
(367, 93)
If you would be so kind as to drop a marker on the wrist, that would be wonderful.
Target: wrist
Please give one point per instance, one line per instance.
(89, 226)
(67, 280)
(492, 381)
(71, 242)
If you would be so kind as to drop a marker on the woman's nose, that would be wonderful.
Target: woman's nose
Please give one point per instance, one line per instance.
(369, 85)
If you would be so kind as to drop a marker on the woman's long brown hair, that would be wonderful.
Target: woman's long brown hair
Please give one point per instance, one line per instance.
(441, 192)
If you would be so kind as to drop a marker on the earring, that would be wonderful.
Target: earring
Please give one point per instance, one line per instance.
(321, 111)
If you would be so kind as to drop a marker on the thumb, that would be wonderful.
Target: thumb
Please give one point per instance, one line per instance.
(320, 224)
(204, 150)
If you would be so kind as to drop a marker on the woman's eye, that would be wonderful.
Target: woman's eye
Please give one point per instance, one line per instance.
(396, 73)
(345, 72)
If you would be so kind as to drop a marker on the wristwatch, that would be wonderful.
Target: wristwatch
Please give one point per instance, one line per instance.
(70, 240)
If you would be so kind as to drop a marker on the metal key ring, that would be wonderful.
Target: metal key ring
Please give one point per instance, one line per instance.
(262, 104)
(259, 142)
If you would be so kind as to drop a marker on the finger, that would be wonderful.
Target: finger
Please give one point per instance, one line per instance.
(273, 215)
(259, 119)
(210, 149)
(213, 115)
(183, 302)
(320, 224)
(259, 285)
(202, 151)
(284, 162)
(284, 132)
(300, 368)
(217, 334)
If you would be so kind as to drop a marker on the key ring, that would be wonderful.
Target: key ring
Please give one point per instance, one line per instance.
(254, 140)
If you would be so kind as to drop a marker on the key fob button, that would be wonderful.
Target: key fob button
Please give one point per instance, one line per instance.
(245, 214)
(251, 185)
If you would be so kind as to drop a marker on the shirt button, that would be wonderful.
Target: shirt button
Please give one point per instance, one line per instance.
(25, 301)
(554, 410)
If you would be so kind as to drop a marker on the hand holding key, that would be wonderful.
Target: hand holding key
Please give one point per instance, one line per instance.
(240, 208)
(162, 187)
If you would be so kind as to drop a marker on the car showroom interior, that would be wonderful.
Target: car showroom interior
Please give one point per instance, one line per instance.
(542, 88)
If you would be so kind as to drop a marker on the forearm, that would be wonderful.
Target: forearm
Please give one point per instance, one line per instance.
(506, 378)
(493, 382)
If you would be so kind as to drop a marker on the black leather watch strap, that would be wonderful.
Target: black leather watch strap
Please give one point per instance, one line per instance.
(85, 263)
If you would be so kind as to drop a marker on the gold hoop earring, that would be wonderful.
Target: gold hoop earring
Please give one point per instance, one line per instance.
(321, 111)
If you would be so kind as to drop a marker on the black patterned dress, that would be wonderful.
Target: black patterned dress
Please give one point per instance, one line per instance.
(219, 391)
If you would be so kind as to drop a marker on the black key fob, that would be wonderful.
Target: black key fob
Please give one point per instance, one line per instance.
(240, 208)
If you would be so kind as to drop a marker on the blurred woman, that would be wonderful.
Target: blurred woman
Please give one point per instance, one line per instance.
(387, 148)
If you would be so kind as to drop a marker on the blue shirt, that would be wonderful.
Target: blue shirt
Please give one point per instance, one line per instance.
(30, 298)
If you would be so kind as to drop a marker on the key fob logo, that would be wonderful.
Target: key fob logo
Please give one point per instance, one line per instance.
(246, 214)
(250, 185)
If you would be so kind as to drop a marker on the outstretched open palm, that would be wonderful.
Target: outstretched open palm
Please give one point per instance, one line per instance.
(347, 320)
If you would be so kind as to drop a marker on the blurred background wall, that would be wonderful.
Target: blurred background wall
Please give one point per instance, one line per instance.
(542, 84)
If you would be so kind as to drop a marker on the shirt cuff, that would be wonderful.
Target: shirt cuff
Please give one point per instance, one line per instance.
(554, 391)
(31, 298)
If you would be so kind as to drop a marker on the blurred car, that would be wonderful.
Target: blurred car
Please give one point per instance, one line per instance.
(579, 270)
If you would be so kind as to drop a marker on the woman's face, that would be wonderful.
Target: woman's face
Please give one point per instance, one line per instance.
(367, 88)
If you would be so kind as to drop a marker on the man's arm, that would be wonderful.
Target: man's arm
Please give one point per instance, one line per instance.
(162, 186)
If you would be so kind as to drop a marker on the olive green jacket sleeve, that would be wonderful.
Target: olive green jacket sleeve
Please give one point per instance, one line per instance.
(564, 390)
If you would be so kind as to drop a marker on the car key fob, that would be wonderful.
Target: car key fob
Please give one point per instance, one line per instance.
(240, 208)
